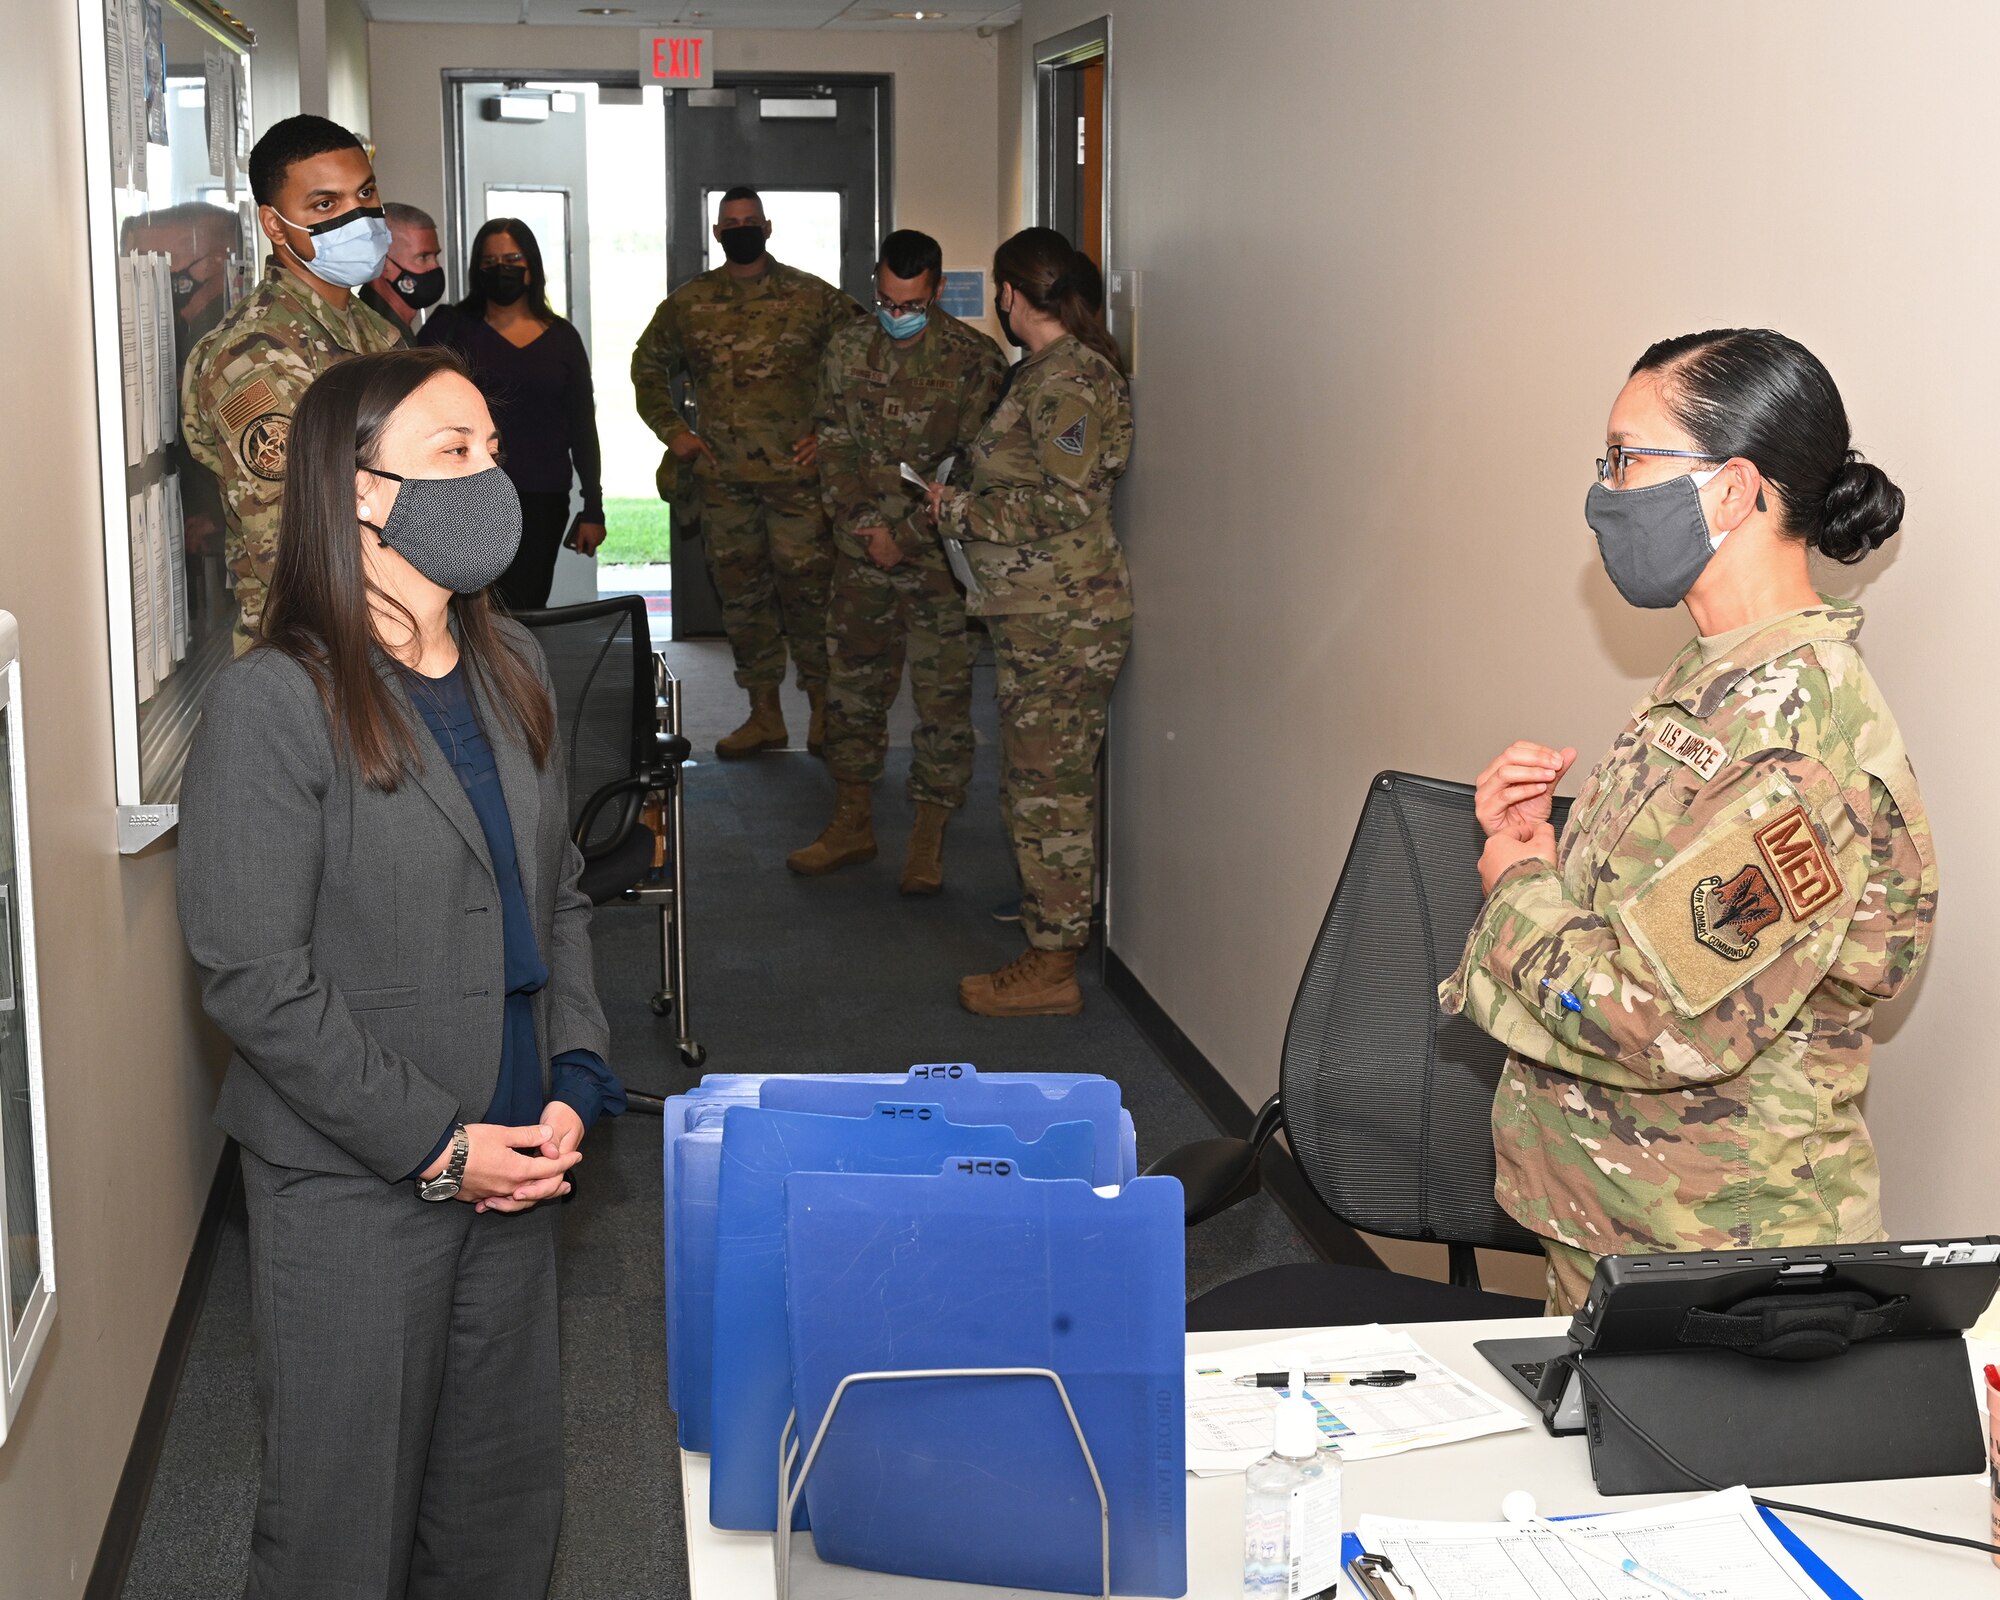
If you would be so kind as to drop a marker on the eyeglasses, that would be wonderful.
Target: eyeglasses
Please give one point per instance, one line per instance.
(902, 308)
(514, 260)
(1616, 458)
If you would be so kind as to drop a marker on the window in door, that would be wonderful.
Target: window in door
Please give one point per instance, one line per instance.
(805, 228)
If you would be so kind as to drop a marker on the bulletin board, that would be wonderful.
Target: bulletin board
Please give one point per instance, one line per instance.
(173, 246)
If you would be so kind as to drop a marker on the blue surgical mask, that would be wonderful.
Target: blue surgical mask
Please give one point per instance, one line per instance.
(348, 250)
(907, 326)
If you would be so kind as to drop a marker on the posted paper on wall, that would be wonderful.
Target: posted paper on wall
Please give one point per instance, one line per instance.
(129, 375)
(142, 599)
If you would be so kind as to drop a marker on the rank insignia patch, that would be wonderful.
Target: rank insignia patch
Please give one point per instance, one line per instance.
(262, 446)
(1729, 916)
(1070, 440)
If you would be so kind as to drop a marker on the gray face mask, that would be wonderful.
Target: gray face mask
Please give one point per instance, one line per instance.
(461, 533)
(1654, 541)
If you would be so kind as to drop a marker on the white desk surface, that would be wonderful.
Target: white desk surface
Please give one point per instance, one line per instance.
(1455, 1480)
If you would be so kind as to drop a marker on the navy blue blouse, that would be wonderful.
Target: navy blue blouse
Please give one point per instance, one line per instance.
(578, 1078)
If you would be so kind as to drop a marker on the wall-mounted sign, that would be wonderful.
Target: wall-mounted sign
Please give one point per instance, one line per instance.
(683, 58)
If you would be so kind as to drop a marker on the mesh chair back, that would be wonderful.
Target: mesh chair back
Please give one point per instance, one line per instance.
(1388, 1102)
(601, 659)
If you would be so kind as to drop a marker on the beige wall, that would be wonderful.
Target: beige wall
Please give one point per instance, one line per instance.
(131, 1151)
(1390, 287)
(274, 64)
(946, 106)
(347, 65)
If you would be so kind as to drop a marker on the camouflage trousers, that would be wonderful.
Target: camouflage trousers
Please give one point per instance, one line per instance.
(770, 554)
(875, 621)
(1055, 676)
(1567, 1277)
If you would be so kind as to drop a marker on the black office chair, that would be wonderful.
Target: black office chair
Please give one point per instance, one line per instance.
(1385, 1102)
(601, 659)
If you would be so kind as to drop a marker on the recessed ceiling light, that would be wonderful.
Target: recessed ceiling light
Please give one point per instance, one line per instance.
(918, 16)
(604, 11)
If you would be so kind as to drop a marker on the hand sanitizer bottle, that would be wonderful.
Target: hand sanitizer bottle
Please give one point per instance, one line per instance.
(1291, 1509)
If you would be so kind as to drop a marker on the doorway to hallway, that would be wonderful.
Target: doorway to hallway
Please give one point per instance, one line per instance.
(817, 151)
(582, 161)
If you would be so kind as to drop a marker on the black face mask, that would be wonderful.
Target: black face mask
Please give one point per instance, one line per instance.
(743, 245)
(184, 287)
(502, 285)
(1006, 327)
(419, 289)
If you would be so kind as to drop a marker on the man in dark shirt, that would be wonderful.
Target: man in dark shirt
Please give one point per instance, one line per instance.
(412, 277)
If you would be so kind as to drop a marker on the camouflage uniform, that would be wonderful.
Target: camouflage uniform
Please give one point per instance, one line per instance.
(241, 384)
(880, 406)
(1057, 601)
(752, 348)
(1687, 992)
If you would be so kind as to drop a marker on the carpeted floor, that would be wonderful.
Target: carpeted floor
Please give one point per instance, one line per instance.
(787, 974)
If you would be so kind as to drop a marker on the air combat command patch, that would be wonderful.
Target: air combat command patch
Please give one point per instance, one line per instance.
(1729, 916)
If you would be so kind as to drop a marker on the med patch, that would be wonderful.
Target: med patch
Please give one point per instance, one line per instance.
(1723, 908)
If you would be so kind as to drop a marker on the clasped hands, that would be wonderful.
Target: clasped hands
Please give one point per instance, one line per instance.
(515, 1169)
(1513, 800)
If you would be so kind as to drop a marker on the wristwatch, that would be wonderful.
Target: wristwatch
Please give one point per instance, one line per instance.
(446, 1184)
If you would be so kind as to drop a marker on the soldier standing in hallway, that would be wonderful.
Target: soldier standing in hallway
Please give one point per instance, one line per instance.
(914, 389)
(316, 202)
(1035, 515)
(750, 336)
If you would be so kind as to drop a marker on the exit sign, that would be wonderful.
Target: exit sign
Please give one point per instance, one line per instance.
(681, 59)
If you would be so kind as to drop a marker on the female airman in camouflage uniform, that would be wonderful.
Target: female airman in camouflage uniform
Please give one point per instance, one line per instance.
(1035, 517)
(1686, 981)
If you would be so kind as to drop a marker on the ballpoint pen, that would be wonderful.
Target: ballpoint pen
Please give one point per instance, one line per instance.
(1388, 1378)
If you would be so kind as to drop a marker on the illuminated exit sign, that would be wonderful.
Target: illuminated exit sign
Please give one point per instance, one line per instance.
(681, 59)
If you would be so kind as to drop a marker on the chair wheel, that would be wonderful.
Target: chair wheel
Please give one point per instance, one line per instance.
(693, 1055)
(662, 1005)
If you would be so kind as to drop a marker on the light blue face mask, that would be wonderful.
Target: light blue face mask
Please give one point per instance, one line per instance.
(348, 250)
(907, 326)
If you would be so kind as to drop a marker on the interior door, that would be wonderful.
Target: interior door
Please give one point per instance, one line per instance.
(537, 170)
(817, 151)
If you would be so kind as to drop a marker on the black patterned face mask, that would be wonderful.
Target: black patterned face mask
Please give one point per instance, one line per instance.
(461, 533)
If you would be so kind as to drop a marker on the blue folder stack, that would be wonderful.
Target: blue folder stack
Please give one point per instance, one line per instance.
(908, 1259)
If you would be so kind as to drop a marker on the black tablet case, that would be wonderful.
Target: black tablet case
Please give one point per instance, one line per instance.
(1902, 1408)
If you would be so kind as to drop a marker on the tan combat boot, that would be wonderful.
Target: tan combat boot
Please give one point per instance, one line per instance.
(763, 730)
(849, 838)
(923, 865)
(1036, 983)
(816, 729)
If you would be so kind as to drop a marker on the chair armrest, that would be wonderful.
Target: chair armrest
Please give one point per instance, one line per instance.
(1216, 1174)
(633, 791)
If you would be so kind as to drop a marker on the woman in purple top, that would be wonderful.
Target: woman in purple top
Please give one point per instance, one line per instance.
(535, 374)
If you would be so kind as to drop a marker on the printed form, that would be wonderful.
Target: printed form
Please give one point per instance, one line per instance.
(1229, 1426)
(1717, 1547)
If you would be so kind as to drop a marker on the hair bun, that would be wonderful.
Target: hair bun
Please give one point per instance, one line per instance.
(1863, 510)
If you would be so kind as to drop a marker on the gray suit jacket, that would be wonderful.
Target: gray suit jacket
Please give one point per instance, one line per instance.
(349, 941)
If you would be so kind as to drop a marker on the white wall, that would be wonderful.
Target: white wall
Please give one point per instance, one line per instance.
(946, 156)
(1396, 261)
(129, 1067)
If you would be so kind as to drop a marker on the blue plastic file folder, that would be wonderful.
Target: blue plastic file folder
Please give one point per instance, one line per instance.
(701, 1108)
(981, 1480)
(752, 1367)
(1021, 1102)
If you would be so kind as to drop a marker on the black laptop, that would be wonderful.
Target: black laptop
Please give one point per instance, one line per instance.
(1816, 1364)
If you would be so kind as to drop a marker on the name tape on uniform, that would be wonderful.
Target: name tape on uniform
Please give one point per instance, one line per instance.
(1705, 756)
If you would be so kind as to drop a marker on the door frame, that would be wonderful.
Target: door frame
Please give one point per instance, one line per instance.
(884, 85)
(451, 226)
(1092, 41)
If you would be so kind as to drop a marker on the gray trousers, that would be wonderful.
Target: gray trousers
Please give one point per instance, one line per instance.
(409, 1386)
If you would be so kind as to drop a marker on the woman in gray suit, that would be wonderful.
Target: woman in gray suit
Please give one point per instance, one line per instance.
(378, 886)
